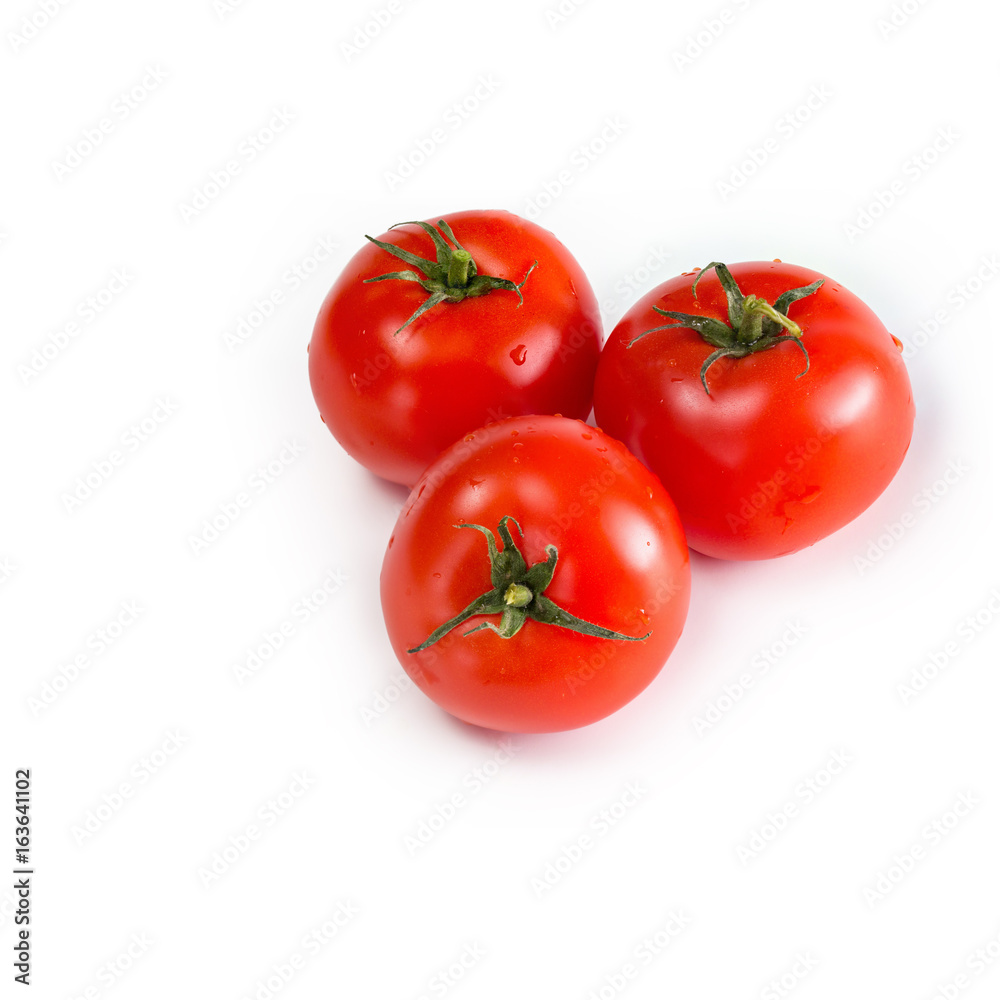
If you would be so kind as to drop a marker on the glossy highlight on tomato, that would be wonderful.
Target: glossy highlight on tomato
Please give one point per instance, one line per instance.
(396, 388)
(783, 449)
(612, 555)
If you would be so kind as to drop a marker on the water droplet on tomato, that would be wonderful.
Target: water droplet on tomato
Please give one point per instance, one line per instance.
(392, 538)
(519, 354)
(672, 362)
(643, 617)
(586, 436)
(809, 497)
(321, 417)
(897, 342)
(437, 576)
(476, 483)
(513, 434)
(677, 380)
(777, 260)
(354, 380)
(469, 437)
(518, 444)
(649, 492)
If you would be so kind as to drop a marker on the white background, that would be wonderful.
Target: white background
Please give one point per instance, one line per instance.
(643, 203)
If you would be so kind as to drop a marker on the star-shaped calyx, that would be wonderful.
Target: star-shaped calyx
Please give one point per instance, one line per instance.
(451, 277)
(754, 324)
(518, 594)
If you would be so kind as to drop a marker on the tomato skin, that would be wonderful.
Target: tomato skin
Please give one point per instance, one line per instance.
(769, 463)
(396, 401)
(623, 564)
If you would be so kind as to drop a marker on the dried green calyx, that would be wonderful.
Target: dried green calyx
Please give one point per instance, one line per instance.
(754, 324)
(451, 277)
(517, 594)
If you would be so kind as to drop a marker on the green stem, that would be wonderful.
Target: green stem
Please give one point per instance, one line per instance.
(755, 310)
(458, 269)
(518, 596)
(752, 326)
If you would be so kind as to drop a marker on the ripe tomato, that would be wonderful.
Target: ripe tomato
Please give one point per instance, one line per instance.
(763, 450)
(404, 362)
(564, 617)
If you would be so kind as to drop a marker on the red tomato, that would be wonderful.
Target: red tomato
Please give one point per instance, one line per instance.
(774, 457)
(592, 541)
(397, 390)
